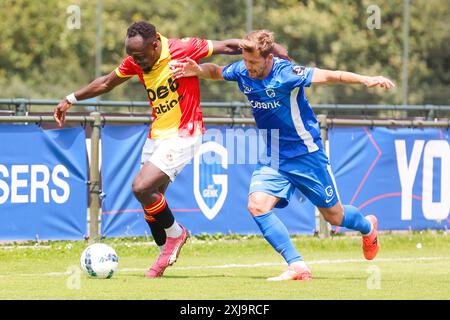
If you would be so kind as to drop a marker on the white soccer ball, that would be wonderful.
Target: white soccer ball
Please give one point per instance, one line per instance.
(99, 261)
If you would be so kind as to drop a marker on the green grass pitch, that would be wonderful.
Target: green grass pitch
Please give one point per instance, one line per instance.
(413, 265)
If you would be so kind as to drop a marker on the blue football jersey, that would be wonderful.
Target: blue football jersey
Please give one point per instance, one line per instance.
(279, 102)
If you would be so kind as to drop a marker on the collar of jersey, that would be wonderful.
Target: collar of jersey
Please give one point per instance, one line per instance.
(165, 54)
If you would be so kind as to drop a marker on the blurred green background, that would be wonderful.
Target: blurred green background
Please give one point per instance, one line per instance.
(41, 56)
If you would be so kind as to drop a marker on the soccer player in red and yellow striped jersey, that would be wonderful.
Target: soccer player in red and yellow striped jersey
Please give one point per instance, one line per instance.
(177, 127)
(175, 104)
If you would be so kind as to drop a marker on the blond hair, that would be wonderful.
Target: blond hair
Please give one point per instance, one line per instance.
(259, 40)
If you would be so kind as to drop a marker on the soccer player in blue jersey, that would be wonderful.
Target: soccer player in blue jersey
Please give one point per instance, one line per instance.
(275, 90)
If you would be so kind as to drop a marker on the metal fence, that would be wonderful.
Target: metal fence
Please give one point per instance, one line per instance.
(21, 107)
(95, 120)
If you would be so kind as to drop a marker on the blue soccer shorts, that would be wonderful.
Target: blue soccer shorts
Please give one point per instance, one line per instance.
(310, 173)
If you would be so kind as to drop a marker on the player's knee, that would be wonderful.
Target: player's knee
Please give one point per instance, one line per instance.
(257, 208)
(141, 189)
(333, 215)
(137, 188)
(333, 219)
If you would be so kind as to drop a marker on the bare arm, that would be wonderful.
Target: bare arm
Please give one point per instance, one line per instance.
(281, 52)
(322, 76)
(190, 68)
(210, 71)
(100, 86)
(95, 88)
(231, 46)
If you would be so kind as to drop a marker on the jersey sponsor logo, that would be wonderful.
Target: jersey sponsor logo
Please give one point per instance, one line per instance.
(161, 93)
(265, 105)
(163, 108)
(300, 70)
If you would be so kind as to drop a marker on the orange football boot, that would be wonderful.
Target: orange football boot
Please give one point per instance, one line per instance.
(370, 241)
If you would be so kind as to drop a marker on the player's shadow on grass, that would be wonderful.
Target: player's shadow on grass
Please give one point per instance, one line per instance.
(252, 277)
(340, 278)
(314, 278)
(201, 276)
(231, 276)
(187, 276)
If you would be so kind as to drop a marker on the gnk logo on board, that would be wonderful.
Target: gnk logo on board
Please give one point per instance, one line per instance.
(210, 183)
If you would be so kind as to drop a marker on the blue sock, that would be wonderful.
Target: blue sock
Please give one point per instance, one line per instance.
(275, 232)
(353, 219)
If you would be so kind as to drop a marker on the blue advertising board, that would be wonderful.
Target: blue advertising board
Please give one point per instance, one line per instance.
(43, 189)
(400, 175)
(208, 196)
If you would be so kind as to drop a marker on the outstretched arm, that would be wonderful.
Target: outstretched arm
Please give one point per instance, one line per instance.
(281, 52)
(190, 68)
(231, 46)
(322, 76)
(95, 88)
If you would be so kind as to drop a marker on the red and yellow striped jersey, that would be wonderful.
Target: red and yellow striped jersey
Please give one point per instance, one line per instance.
(175, 103)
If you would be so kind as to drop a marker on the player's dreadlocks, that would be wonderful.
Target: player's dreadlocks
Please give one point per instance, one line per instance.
(142, 28)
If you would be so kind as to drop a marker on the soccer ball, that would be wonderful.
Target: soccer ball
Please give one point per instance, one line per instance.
(99, 261)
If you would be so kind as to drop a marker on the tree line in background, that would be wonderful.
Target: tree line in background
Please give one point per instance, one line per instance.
(42, 56)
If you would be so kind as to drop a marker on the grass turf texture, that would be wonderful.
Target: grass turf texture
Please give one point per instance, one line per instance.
(234, 268)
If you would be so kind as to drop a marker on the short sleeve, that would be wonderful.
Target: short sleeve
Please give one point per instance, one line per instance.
(127, 68)
(196, 48)
(302, 75)
(231, 71)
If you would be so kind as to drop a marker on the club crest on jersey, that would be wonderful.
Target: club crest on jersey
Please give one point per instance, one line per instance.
(329, 191)
(210, 190)
(299, 70)
(270, 93)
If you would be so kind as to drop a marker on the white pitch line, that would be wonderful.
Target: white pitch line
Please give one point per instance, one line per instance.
(231, 266)
(270, 264)
(24, 247)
